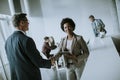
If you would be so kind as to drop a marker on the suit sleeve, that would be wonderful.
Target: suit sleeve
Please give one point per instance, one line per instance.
(101, 22)
(34, 55)
(84, 49)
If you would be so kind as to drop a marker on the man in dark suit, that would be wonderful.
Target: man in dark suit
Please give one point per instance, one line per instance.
(23, 56)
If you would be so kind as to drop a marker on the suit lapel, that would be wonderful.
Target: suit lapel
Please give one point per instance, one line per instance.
(64, 43)
(73, 43)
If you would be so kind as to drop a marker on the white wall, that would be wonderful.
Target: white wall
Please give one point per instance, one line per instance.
(37, 30)
(118, 9)
(79, 10)
(46, 15)
(52, 11)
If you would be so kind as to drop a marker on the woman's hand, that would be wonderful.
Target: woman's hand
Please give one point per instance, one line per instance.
(71, 56)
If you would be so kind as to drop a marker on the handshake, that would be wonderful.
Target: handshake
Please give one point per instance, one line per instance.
(54, 58)
(66, 54)
(52, 61)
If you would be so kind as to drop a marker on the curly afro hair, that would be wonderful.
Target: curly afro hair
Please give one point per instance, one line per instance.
(67, 20)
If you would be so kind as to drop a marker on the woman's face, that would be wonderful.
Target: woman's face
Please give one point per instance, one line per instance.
(68, 28)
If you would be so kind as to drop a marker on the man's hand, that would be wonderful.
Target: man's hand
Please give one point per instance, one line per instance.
(52, 61)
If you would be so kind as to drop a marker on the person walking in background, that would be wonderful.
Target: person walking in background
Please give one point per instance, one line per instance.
(74, 49)
(48, 46)
(23, 56)
(98, 26)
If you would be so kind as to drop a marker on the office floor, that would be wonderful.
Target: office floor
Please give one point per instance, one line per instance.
(103, 63)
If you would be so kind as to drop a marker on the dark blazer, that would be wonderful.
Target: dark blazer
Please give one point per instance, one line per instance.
(24, 58)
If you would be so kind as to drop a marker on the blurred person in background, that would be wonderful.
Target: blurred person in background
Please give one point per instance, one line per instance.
(98, 26)
(48, 46)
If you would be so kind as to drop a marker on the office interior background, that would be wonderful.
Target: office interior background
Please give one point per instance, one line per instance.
(44, 20)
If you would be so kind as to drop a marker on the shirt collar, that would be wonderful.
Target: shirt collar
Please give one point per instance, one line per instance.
(21, 31)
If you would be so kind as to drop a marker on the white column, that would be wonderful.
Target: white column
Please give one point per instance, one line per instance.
(26, 6)
(118, 10)
(11, 5)
(116, 28)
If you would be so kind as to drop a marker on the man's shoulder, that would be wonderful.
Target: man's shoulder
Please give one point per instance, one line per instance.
(98, 19)
(19, 36)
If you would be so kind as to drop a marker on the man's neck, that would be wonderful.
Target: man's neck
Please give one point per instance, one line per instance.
(70, 36)
(17, 29)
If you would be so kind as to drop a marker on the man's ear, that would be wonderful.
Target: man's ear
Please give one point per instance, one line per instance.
(21, 23)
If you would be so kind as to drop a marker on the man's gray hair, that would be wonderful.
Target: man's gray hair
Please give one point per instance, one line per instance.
(17, 18)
